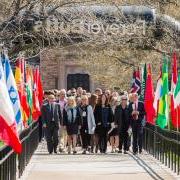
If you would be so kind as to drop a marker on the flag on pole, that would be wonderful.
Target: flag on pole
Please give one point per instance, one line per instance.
(158, 92)
(163, 108)
(149, 98)
(143, 84)
(174, 117)
(29, 90)
(36, 105)
(12, 90)
(39, 87)
(8, 127)
(177, 103)
(20, 81)
(136, 82)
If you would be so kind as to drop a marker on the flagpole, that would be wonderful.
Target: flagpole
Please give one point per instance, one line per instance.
(169, 95)
(177, 120)
(168, 103)
(1, 48)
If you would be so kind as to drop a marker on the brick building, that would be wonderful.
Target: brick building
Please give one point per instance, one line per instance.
(60, 69)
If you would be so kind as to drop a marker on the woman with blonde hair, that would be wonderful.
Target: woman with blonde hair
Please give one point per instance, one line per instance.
(72, 123)
(113, 132)
(93, 100)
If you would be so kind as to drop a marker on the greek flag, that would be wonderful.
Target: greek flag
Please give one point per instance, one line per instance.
(12, 90)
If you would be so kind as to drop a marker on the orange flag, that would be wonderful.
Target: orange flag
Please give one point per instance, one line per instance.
(20, 81)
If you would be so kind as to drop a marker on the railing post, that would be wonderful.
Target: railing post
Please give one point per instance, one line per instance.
(164, 145)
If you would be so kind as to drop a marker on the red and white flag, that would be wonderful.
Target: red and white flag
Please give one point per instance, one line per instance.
(8, 126)
(174, 111)
(36, 103)
(158, 92)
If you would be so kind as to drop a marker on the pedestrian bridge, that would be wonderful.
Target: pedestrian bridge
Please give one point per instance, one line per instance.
(160, 160)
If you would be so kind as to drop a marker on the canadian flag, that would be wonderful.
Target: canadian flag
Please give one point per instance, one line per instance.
(8, 126)
(174, 110)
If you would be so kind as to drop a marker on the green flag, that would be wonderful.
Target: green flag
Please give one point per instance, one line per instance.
(163, 108)
(143, 84)
(29, 92)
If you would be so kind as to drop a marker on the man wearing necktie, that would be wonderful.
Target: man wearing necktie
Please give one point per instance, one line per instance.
(137, 113)
(51, 117)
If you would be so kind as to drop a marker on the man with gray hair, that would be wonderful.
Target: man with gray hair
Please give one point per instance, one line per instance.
(62, 133)
(122, 122)
(137, 113)
(51, 118)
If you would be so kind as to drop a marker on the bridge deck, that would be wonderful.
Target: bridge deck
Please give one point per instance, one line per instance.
(94, 167)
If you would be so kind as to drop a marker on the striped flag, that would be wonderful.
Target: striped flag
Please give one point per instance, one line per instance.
(8, 126)
(12, 90)
(158, 92)
(177, 103)
(174, 80)
(20, 81)
(163, 108)
(29, 90)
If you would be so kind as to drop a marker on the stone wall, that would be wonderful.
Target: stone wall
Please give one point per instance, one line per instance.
(49, 68)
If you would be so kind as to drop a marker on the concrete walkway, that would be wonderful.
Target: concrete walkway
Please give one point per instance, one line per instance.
(94, 167)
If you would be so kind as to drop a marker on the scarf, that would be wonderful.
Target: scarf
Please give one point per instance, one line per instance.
(71, 114)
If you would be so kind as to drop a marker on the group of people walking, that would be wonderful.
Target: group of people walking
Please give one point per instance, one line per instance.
(76, 119)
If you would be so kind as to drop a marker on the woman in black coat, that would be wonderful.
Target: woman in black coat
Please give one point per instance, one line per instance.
(103, 118)
(122, 122)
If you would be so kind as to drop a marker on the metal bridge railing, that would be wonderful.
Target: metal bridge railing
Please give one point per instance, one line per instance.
(164, 145)
(13, 165)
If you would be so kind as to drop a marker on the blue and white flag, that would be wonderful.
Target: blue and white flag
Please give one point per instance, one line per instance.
(12, 90)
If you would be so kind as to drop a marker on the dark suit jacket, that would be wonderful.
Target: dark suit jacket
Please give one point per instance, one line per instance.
(141, 113)
(123, 124)
(98, 115)
(47, 115)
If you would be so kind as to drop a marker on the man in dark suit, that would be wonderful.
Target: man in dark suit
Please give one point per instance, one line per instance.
(41, 128)
(137, 113)
(51, 117)
(121, 118)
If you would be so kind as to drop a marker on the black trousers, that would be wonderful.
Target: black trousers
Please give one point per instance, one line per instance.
(52, 137)
(40, 129)
(123, 140)
(86, 139)
(137, 130)
(103, 140)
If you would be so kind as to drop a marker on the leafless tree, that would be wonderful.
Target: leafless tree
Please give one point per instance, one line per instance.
(30, 26)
